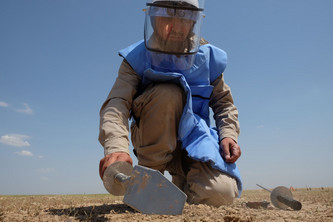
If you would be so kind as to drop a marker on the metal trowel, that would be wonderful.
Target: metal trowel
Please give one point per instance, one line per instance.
(144, 189)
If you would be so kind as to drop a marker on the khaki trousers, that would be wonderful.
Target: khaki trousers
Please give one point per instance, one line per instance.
(154, 136)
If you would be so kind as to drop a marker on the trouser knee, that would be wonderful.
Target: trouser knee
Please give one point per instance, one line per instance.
(168, 94)
(154, 135)
(214, 196)
(206, 185)
(159, 101)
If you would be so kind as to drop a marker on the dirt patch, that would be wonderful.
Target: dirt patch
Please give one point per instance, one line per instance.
(317, 206)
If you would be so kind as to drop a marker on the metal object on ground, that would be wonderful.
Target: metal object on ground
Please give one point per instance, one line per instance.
(144, 189)
(282, 198)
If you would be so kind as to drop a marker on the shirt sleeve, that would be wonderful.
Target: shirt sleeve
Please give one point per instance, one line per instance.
(225, 112)
(115, 112)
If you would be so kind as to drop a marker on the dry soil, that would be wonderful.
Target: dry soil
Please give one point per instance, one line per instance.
(317, 205)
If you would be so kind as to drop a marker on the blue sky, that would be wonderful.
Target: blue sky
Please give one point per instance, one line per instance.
(59, 59)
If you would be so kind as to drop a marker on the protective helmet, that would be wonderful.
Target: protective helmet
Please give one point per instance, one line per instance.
(173, 26)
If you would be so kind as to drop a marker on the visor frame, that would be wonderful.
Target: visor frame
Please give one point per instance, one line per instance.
(175, 6)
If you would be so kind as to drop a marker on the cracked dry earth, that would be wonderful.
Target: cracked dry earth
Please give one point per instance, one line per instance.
(317, 206)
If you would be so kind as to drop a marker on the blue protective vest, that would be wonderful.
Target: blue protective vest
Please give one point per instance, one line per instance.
(197, 137)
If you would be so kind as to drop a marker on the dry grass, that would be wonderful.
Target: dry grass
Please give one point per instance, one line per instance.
(317, 206)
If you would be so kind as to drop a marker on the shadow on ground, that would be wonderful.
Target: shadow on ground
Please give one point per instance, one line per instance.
(91, 213)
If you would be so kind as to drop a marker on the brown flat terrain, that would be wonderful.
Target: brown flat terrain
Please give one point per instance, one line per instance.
(317, 206)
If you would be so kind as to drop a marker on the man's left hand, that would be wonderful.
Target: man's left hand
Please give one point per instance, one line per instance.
(230, 149)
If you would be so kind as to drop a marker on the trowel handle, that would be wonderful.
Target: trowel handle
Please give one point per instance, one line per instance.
(294, 204)
(121, 178)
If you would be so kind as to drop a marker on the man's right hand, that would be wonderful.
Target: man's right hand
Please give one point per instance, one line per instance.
(111, 158)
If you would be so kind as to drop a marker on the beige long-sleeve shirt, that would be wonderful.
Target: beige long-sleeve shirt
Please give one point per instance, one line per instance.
(115, 112)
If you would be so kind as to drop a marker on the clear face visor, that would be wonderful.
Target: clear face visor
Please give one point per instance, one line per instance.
(173, 27)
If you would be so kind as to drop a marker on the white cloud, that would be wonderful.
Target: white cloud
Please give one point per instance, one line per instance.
(3, 104)
(25, 153)
(26, 109)
(17, 140)
(260, 126)
(44, 178)
(46, 170)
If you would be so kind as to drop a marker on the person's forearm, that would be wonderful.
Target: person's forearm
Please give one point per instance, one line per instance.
(225, 112)
(113, 134)
(115, 112)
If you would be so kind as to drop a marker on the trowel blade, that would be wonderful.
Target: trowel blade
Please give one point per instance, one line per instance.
(149, 192)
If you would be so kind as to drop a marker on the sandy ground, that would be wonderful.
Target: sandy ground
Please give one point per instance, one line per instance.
(317, 206)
